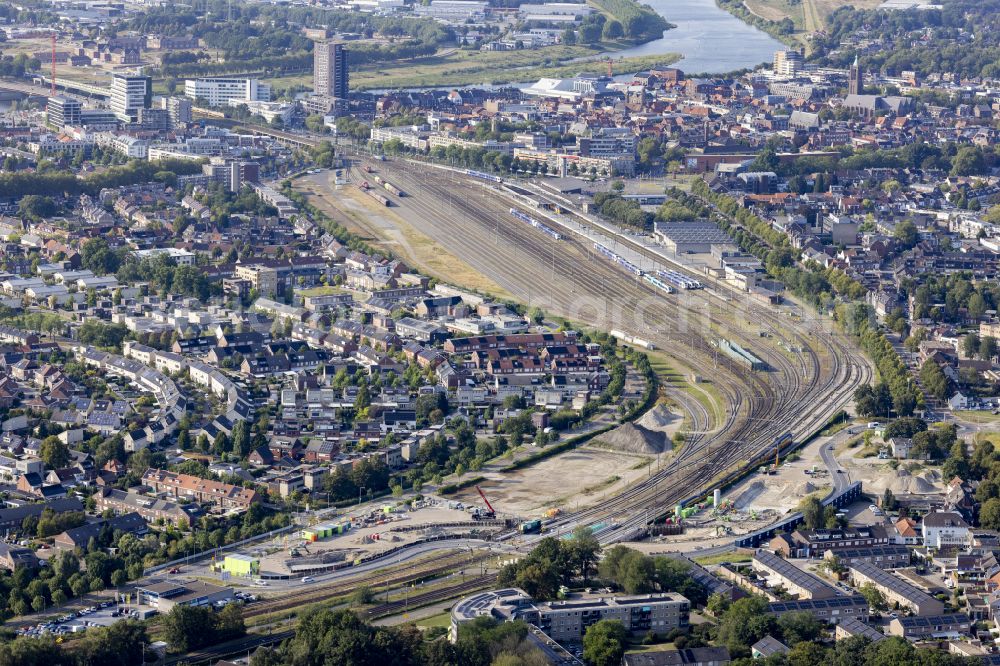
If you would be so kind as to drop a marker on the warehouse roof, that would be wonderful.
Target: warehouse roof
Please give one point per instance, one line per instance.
(693, 232)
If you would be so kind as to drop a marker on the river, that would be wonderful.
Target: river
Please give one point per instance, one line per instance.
(711, 39)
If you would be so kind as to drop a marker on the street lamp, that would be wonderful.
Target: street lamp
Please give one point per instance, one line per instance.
(360, 490)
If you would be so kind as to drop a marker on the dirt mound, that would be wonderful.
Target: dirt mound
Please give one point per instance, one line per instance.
(632, 438)
(805, 488)
(923, 484)
(745, 498)
(658, 418)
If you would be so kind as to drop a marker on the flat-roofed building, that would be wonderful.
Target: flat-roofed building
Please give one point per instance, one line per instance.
(691, 237)
(568, 619)
(164, 596)
(220, 91)
(62, 111)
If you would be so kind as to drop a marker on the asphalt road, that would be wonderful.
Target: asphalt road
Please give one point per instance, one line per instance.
(841, 478)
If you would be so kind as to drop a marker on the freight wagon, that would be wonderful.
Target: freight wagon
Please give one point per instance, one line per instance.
(741, 355)
(382, 199)
(631, 339)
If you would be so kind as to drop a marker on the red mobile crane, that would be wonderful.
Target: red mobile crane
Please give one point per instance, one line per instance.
(489, 514)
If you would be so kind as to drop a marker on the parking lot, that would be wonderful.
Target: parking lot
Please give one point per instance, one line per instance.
(105, 614)
(102, 615)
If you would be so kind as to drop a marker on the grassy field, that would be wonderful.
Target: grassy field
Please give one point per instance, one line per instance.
(978, 417)
(703, 392)
(488, 67)
(808, 15)
(382, 227)
(722, 558)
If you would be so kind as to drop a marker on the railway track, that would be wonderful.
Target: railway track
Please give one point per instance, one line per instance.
(404, 575)
(429, 597)
(245, 645)
(541, 271)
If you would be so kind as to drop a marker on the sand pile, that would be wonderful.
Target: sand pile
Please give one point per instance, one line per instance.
(921, 484)
(752, 492)
(632, 438)
(658, 418)
(805, 488)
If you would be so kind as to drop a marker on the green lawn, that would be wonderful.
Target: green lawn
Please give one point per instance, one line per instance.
(978, 417)
(439, 620)
(722, 558)
(461, 67)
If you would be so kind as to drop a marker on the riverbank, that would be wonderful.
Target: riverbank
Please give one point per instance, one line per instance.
(791, 22)
(474, 68)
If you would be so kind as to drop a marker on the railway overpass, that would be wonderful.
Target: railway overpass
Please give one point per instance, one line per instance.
(44, 91)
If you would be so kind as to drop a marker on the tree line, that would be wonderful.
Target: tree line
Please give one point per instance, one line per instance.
(66, 183)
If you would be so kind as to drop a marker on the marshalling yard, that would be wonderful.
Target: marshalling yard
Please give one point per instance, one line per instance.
(732, 415)
(472, 232)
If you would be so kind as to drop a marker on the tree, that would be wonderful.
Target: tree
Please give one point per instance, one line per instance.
(584, 549)
(241, 439)
(812, 512)
(120, 644)
(613, 30)
(970, 345)
(604, 643)
(362, 595)
(889, 502)
(229, 623)
(98, 257)
(799, 626)
(744, 623)
(934, 380)
(968, 162)
(987, 348)
(54, 453)
(906, 234)
(36, 207)
(976, 306)
(340, 637)
(188, 627)
(989, 514)
(718, 604)
(118, 577)
(873, 596)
